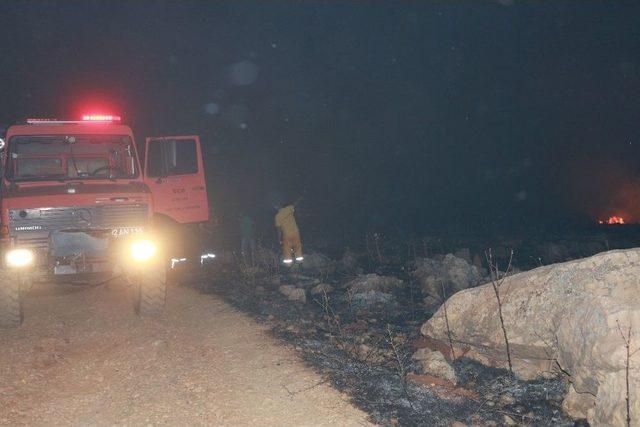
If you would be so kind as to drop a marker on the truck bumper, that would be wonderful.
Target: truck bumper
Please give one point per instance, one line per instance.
(79, 254)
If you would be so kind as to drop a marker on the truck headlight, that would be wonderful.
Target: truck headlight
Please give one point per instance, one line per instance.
(19, 257)
(143, 250)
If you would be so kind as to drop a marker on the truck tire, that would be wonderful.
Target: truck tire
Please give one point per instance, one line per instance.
(10, 299)
(151, 290)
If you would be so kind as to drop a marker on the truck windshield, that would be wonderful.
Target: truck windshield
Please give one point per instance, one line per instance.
(70, 157)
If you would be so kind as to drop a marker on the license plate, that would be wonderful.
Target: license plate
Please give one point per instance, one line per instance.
(126, 231)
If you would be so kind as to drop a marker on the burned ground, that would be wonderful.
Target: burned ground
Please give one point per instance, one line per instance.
(366, 351)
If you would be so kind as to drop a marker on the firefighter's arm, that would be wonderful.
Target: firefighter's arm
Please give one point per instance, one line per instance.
(279, 233)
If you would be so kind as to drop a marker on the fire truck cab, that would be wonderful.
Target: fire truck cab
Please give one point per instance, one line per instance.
(77, 206)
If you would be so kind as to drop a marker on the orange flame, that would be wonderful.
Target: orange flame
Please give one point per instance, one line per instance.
(612, 220)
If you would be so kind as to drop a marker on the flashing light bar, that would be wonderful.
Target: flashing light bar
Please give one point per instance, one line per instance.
(101, 118)
(34, 121)
(87, 118)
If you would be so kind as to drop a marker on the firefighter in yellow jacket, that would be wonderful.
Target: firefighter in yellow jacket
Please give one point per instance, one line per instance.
(289, 235)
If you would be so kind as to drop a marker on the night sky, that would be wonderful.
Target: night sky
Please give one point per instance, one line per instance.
(401, 117)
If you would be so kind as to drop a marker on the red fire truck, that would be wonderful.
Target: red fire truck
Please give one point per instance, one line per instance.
(77, 206)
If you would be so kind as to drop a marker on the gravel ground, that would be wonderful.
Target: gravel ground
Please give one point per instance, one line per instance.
(83, 358)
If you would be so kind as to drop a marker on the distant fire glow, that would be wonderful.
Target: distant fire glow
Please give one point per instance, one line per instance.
(612, 220)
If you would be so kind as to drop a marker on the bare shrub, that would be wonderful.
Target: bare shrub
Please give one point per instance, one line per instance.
(374, 242)
(400, 358)
(267, 258)
(334, 324)
(497, 279)
(627, 344)
(551, 356)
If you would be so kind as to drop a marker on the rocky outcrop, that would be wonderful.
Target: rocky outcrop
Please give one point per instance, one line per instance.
(569, 316)
(371, 290)
(451, 272)
(293, 293)
(374, 282)
(373, 299)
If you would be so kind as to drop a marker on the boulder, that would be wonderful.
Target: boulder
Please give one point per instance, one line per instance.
(371, 299)
(293, 293)
(371, 290)
(434, 363)
(449, 271)
(572, 315)
(374, 282)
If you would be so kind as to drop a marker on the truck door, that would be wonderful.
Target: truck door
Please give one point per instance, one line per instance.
(174, 171)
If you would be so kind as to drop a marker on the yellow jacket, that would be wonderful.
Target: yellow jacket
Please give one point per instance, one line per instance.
(286, 222)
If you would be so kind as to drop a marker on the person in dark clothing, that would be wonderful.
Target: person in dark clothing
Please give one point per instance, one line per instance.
(247, 238)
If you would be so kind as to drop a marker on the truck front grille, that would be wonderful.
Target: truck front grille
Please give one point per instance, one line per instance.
(31, 227)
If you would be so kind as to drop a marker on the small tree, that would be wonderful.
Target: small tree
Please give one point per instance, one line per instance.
(497, 279)
(627, 345)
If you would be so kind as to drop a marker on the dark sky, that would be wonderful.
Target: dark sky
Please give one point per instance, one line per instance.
(398, 116)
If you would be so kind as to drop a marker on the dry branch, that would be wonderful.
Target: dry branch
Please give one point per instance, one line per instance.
(446, 319)
(496, 283)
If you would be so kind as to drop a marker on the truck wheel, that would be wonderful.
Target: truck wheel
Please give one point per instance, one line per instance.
(10, 299)
(151, 290)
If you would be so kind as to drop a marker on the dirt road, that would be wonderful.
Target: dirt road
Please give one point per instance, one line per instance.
(83, 358)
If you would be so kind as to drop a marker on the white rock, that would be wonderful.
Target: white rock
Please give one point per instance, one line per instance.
(371, 299)
(569, 312)
(434, 363)
(374, 282)
(450, 272)
(293, 293)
